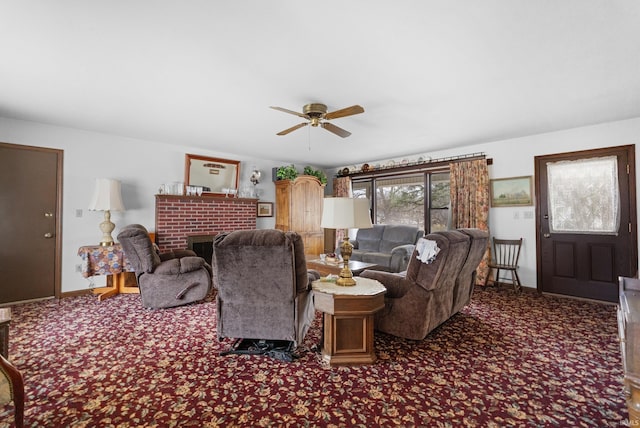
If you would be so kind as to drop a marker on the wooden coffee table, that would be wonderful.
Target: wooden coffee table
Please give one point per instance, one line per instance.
(348, 319)
(325, 268)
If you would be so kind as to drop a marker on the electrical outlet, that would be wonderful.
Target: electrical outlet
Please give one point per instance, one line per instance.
(79, 212)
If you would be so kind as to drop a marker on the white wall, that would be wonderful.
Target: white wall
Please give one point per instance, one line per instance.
(515, 157)
(143, 166)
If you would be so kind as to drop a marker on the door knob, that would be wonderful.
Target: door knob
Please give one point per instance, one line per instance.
(48, 235)
(547, 235)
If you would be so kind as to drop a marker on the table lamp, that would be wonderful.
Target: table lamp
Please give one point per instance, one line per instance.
(106, 197)
(346, 213)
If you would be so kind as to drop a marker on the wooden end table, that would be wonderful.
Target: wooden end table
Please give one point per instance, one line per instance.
(325, 268)
(348, 319)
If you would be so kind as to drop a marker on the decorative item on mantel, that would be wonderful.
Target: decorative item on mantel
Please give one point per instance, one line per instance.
(229, 191)
(255, 176)
(255, 179)
(106, 197)
(174, 188)
(193, 190)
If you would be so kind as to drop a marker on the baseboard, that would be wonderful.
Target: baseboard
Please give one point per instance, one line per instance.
(75, 293)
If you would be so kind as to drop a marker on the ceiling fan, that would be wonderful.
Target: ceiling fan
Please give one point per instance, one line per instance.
(317, 115)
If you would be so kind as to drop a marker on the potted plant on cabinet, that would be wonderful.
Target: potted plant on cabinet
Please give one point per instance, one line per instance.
(286, 172)
(317, 173)
(289, 172)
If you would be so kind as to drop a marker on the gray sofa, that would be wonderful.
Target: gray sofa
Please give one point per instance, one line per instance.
(388, 246)
(427, 294)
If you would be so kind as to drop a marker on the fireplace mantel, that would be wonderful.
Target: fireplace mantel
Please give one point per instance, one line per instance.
(208, 197)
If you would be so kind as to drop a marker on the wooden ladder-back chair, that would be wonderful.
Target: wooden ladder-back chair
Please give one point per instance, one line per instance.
(506, 253)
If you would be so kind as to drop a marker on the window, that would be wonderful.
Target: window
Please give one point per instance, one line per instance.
(439, 201)
(402, 199)
(584, 196)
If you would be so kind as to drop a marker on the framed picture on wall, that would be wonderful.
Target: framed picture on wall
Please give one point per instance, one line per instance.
(265, 209)
(512, 192)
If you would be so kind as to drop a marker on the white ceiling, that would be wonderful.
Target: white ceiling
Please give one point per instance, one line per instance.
(430, 75)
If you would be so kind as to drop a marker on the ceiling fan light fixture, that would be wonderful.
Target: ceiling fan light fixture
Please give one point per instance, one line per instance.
(316, 112)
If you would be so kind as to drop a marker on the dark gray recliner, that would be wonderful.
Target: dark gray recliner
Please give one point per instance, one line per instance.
(168, 279)
(264, 288)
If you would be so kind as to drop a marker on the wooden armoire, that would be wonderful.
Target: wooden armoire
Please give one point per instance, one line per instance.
(299, 209)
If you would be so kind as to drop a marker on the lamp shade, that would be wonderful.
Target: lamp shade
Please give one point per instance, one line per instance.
(106, 196)
(346, 213)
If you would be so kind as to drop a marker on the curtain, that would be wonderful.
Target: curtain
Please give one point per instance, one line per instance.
(469, 187)
(341, 189)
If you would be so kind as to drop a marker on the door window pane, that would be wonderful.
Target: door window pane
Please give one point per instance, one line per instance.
(584, 196)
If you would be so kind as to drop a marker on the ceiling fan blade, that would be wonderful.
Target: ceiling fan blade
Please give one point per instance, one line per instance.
(290, 112)
(293, 128)
(348, 111)
(335, 129)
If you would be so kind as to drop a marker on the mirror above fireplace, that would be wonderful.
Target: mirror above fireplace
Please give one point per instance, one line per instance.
(218, 177)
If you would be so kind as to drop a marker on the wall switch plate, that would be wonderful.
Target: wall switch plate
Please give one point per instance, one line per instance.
(78, 268)
(527, 214)
(516, 215)
(79, 212)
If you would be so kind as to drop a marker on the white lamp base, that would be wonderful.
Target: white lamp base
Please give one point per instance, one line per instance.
(107, 227)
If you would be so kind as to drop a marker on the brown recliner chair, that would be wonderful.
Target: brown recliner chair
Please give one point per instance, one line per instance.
(420, 299)
(168, 279)
(467, 277)
(264, 289)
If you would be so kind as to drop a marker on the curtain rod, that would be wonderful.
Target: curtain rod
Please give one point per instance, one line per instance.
(416, 166)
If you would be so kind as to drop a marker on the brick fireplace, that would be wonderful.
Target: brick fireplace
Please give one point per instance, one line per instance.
(200, 217)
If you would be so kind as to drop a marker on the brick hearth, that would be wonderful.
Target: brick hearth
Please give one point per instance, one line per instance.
(178, 217)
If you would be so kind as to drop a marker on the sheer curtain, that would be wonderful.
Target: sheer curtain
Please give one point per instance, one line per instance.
(469, 187)
(584, 196)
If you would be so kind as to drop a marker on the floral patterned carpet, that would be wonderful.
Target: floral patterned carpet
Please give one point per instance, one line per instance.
(506, 360)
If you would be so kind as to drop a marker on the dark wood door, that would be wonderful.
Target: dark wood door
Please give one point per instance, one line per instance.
(583, 243)
(30, 187)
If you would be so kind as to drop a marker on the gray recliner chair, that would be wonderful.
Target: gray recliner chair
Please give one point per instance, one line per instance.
(264, 289)
(168, 279)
